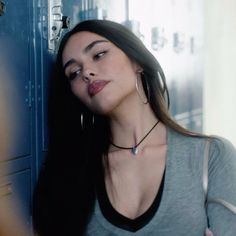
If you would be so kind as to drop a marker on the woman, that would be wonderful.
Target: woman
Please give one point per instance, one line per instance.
(117, 163)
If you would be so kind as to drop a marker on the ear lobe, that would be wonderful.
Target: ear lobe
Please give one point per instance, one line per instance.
(139, 70)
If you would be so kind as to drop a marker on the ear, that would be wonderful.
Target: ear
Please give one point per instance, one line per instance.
(138, 69)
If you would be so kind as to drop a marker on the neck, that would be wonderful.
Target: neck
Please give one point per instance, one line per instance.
(127, 130)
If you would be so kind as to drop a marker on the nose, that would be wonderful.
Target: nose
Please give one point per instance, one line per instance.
(88, 74)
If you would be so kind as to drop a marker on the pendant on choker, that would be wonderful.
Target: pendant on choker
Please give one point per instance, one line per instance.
(134, 150)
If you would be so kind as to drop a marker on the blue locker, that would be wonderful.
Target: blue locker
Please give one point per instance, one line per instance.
(17, 82)
(15, 53)
(26, 54)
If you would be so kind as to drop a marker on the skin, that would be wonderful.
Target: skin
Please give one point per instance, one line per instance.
(89, 58)
(95, 61)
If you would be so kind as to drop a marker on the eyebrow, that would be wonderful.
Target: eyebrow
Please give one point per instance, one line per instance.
(92, 44)
(71, 61)
(86, 49)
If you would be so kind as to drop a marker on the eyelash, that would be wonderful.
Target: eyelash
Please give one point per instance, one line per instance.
(99, 55)
(74, 74)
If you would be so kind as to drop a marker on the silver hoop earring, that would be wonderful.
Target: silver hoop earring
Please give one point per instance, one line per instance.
(146, 89)
(139, 94)
(93, 120)
(82, 121)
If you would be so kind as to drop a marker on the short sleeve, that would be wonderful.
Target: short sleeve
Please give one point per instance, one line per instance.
(222, 185)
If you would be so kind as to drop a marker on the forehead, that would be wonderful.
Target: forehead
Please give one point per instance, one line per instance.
(78, 41)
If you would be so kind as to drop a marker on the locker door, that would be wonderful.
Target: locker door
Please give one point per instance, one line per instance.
(16, 72)
(52, 23)
(17, 87)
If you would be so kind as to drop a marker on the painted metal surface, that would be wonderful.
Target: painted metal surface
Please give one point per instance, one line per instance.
(18, 84)
(16, 69)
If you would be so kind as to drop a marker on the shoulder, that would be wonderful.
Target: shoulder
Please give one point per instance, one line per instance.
(222, 156)
(186, 142)
(218, 145)
(222, 152)
(222, 185)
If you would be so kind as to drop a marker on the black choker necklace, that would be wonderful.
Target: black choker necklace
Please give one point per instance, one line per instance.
(134, 149)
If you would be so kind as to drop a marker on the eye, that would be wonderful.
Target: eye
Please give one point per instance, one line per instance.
(99, 55)
(74, 74)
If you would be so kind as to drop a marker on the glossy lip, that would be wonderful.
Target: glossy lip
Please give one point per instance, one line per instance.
(96, 86)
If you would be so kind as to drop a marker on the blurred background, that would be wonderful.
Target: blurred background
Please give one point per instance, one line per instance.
(194, 41)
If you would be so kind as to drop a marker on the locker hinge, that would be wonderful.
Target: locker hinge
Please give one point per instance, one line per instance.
(57, 22)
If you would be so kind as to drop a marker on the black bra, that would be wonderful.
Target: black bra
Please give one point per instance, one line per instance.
(119, 220)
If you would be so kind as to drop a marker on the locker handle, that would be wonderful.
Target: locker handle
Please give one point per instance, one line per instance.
(57, 22)
(5, 190)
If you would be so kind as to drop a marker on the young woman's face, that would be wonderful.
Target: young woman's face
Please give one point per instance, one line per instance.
(101, 75)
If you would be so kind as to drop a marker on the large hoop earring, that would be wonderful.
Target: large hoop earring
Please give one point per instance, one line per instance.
(82, 120)
(138, 91)
(93, 120)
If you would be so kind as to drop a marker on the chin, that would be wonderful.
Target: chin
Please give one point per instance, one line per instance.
(102, 109)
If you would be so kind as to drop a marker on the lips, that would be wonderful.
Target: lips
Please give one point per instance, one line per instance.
(96, 86)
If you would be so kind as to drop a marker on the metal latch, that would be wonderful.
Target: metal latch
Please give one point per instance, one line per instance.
(2, 8)
(57, 22)
(6, 190)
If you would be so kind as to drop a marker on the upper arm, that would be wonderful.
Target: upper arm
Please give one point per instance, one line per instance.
(222, 185)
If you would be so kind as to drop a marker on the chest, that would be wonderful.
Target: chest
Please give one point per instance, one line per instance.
(170, 219)
(133, 187)
(181, 210)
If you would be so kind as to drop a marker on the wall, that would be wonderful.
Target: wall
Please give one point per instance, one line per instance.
(220, 70)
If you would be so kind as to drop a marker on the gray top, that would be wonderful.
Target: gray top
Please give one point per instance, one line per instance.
(182, 208)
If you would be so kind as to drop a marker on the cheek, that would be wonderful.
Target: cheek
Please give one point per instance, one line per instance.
(127, 71)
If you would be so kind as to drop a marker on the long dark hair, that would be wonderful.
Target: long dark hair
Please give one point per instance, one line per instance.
(65, 193)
